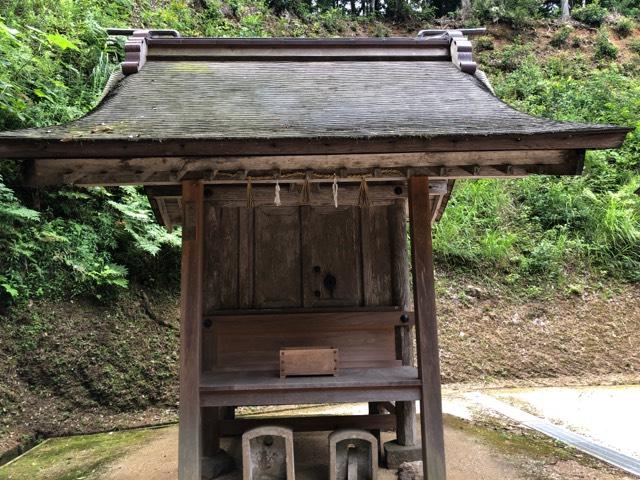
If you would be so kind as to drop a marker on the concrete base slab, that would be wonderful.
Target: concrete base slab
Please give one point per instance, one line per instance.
(397, 454)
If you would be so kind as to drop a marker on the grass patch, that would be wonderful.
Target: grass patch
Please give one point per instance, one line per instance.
(73, 458)
(514, 441)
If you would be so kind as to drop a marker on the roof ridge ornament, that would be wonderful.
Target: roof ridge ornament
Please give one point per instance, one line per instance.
(459, 45)
(135, 47)
(135, 52)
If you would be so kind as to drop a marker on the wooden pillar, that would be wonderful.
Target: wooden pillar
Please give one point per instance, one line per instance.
(190, 436)
(210, 430)
(405, 411)
(426, 329)
(374, 409)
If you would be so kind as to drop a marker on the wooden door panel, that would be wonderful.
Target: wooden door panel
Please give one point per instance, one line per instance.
(331, 249)
(376, 256)
(220, 259)
(277, 257)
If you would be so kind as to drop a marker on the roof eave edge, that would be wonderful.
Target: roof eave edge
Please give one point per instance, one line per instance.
(21, 147)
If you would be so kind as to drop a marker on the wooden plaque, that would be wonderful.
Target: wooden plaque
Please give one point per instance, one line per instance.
(301, 361)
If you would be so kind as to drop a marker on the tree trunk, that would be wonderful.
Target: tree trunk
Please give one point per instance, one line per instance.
(566, 13)
(466, 9)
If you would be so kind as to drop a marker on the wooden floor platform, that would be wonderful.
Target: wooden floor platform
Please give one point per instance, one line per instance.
(267, 388)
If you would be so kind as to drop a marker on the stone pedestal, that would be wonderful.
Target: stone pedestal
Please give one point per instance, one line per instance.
(353, 454)
(397, 454)
(267, 453)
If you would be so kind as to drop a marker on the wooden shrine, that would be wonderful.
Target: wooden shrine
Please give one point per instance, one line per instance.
(293, 166)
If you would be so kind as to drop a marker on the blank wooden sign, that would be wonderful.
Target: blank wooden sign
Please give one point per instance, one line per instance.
(301, 361)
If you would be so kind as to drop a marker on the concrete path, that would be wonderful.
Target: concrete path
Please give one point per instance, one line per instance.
(609, 416)
(595, 449)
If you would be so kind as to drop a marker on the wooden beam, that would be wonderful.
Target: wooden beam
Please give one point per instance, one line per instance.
(426, 329)
(414, 52)
(348, 195)
(297, 397)
(220, 170)
(320, 423)
(220, 387)
(190, 436)
(223, 191)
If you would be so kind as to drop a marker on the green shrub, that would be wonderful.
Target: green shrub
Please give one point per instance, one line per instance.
(624, 26)
(634, 45)
(86, 242)
(559, 226)
(296, 7)
(381, 30)
(511, 57)
(476, 229)
(517, 13)
(592, 14)
(333, 20)
(613, 231)
(561, 36)
(604, 48)
(483, 43)
(630, 8)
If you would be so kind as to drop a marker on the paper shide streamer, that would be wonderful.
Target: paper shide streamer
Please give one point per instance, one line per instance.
(276, 199)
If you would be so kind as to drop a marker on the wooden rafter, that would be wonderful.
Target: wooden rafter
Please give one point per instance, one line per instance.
(292, 168)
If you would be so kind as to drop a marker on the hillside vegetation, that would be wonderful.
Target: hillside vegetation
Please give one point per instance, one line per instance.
(56, 58)
(88, 281)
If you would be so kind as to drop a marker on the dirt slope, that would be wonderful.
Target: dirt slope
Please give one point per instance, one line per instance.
(92, 367)
(486, 337)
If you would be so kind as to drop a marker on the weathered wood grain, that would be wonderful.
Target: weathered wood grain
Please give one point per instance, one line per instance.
(210, 431)
(164, 170)
(190, 441)
(426, 329)
(221, 250)
(352, 385)
(308, 361)
(405, 411)
(253, 342)
(246, 257)
(376, 253)
(331, 247)
(278, 267)
(322, 423)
